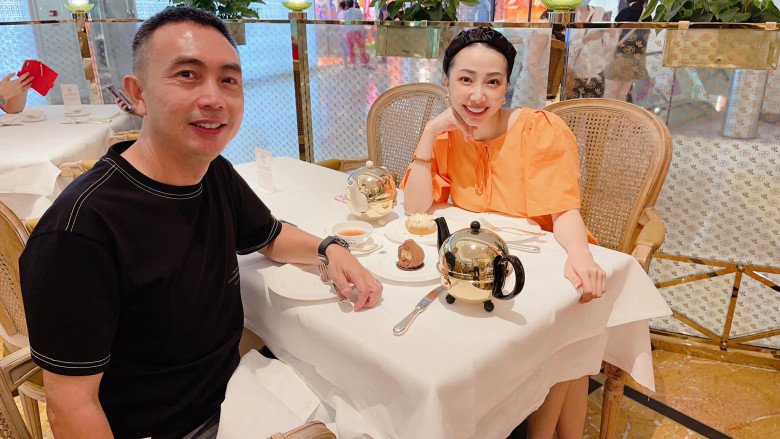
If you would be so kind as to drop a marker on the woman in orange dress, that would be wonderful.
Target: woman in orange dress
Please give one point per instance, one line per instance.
(519, 162)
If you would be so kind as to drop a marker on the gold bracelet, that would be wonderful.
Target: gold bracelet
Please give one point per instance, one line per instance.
(420, 161)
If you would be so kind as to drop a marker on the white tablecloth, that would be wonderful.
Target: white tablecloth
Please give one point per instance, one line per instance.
(31, 151)
(459, 372)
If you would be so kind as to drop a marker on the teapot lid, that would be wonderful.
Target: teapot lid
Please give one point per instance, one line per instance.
(369, 170)
(469, 253)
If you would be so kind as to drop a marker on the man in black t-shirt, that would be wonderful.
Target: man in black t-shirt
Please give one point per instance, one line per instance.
(131, 280)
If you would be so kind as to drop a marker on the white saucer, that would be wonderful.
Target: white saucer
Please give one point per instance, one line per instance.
(24, 119)
(367, 247)
(299, 282)
(74, 114)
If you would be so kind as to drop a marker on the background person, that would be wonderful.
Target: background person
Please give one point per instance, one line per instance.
(13, 92)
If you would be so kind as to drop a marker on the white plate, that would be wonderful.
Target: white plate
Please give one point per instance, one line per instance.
(396, 231)
(384, 266)
(24, 119)
(299, 282)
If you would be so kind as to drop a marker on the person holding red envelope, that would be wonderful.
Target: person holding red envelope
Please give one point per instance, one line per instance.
(13, 92)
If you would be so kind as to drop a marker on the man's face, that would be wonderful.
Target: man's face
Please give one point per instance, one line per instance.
(192, 90)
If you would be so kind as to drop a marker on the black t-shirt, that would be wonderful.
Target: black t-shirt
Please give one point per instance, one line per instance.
(139, 280)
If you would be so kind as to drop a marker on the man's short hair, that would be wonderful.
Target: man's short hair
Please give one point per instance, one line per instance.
(173, 14)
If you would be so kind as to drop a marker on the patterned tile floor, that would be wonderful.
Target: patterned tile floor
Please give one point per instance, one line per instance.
(727, 400)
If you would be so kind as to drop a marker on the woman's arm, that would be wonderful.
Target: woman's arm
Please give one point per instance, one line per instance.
(418, 192)
(580, 268)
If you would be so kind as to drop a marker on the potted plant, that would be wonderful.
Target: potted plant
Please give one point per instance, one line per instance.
(227, 10)
(723, 48)
(416, 41)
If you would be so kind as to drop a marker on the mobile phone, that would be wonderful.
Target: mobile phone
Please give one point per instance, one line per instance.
(115, 92)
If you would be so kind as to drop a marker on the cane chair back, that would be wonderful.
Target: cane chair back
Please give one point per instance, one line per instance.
(123, 136)
(13, 324)
(624, 157)
(12, 321)
(15, 370)
(396, 121)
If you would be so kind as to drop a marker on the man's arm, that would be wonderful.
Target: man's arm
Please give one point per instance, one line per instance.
(73, 406)
(293, 245)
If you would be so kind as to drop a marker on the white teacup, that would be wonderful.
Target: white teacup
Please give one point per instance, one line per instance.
(356, 233)
(75, 110)
(33, 115)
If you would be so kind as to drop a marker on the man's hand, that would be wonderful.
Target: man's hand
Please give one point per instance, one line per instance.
(345, 269)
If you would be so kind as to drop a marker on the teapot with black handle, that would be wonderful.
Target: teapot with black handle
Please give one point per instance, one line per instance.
(474, 264)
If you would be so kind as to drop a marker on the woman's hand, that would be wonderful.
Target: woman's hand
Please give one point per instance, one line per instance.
(10, 88)
(450, 120)
(583, 272)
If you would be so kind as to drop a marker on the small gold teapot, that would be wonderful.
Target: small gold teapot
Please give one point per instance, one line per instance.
(371, 192)
(474, 263)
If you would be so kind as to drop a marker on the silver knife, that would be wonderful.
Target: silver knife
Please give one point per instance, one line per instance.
(403, 325)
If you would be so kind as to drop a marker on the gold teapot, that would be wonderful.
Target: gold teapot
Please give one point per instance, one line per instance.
(474, 263)
(371, 192)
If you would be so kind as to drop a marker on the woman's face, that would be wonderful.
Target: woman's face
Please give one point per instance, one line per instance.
(477, 83)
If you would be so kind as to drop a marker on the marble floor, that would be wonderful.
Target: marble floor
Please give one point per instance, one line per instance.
(695, 398)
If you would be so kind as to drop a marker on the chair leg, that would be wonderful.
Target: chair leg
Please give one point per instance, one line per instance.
(32, 415)
(610, 405)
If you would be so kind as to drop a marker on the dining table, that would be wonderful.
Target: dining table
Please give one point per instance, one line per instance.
(458, 371)
(31, 150)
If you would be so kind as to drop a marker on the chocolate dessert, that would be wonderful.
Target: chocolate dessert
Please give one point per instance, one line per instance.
(410, 256)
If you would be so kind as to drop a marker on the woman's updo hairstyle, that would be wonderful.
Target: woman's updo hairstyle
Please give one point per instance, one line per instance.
(483, 35)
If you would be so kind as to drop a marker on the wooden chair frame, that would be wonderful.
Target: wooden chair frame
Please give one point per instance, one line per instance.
(643, 232)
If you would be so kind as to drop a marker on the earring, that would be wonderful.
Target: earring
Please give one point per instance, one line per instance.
(447, 96)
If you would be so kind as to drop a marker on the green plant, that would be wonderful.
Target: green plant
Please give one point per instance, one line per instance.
(224, 9)
(416, 10)
(727, 11)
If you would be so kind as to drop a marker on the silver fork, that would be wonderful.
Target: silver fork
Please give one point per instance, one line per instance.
(530, 248)
(325, 278)
(490, 226)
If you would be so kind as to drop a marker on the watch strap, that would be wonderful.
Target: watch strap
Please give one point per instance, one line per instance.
(326, 243)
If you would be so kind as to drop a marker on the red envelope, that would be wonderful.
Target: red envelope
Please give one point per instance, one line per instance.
(43, 76)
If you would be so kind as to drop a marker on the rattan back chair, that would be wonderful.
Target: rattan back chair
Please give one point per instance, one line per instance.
(624, 157)
(396, 121)
(13, 325)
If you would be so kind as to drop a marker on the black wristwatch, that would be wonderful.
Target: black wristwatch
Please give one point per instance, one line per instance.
(324, 245)
(2, 101)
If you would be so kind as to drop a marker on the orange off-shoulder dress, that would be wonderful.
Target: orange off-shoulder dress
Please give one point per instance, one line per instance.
(530, 171)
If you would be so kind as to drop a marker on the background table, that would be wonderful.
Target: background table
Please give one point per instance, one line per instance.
(31, 151)
(459, 372)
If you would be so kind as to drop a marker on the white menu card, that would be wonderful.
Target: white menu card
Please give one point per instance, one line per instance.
(265, 179)
(70, 94)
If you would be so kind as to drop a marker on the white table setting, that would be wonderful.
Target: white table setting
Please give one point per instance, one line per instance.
(34, 142)
(459, 371)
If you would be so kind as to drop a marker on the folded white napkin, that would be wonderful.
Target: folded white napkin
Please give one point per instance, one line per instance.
(264, 397)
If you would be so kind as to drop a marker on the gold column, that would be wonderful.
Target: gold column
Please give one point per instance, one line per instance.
(302, 88)
(87, 52)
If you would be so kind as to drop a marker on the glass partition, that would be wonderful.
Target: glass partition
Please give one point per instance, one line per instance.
(348, 72)
(269, 95)
(719, 266)
(56, 45)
